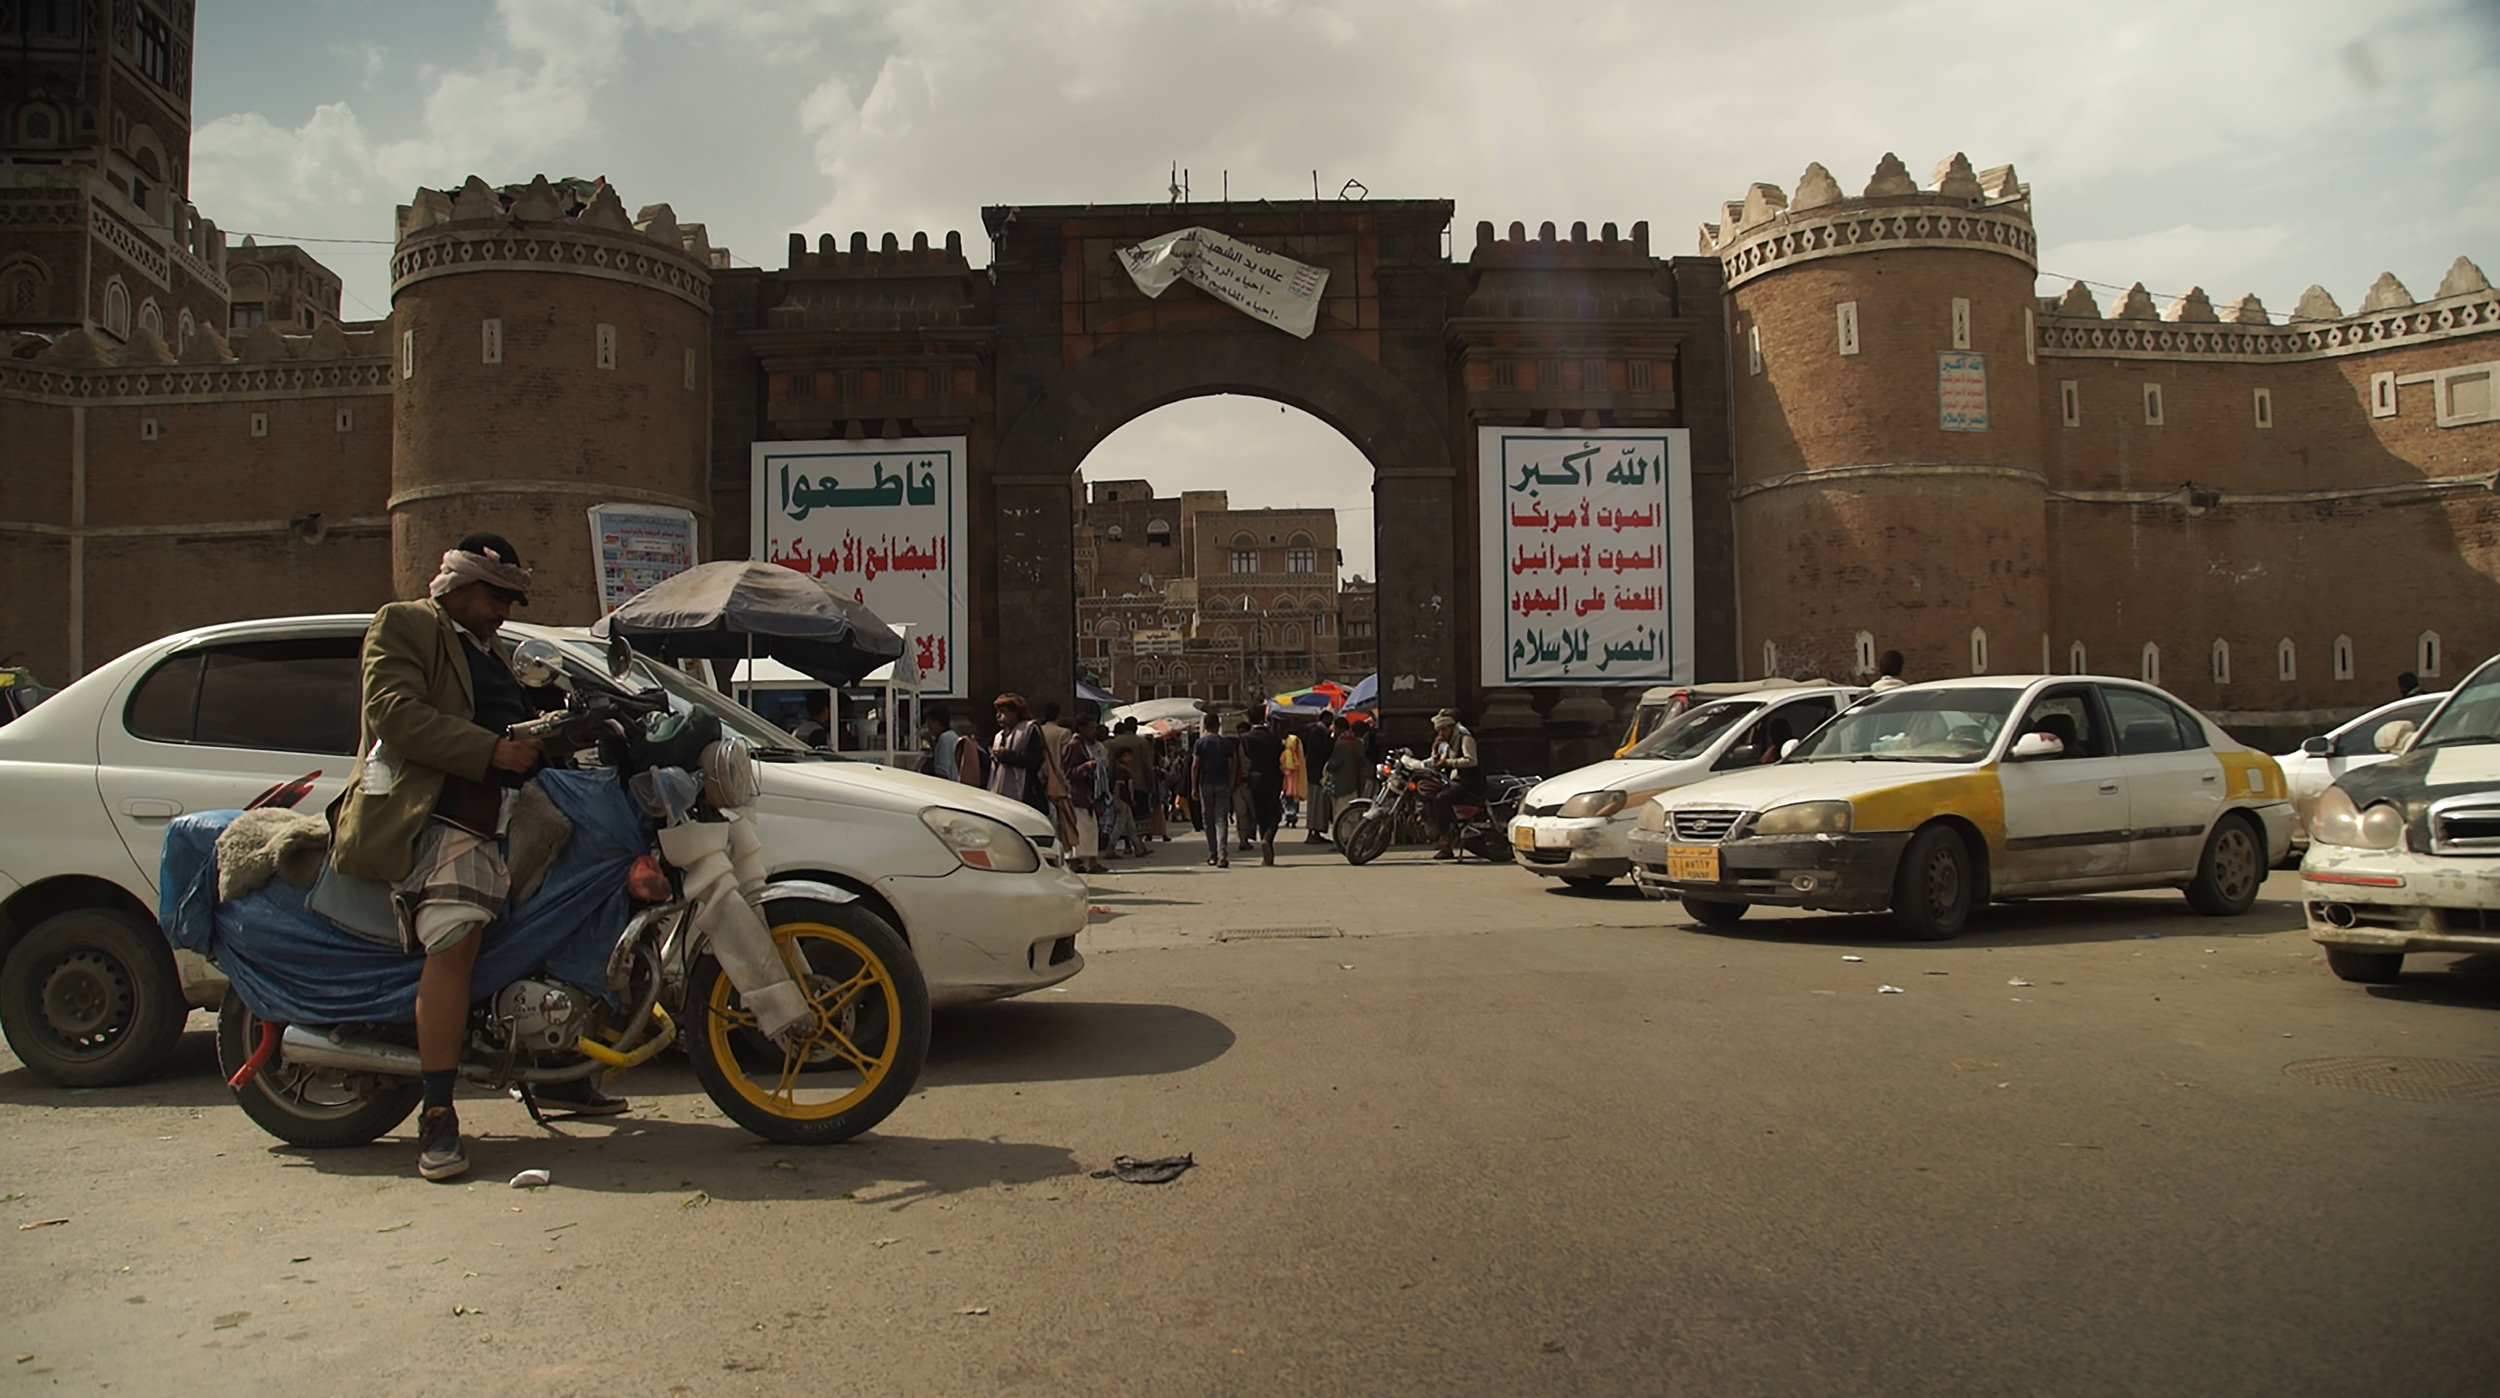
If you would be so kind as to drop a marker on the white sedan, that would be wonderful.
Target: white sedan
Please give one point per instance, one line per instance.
(91, 993)
(1577, 827)
(2348, 748)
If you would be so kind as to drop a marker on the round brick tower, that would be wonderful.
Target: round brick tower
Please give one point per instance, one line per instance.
(553, 354)
(1888, 491)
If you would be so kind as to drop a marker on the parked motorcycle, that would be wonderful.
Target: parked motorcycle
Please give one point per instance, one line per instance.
(805, 1016)
(1397, 813)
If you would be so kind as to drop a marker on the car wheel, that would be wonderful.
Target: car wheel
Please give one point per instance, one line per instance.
(1710, 913)
(90, 998)
(2233, 869)
(2365, 967)
(1932, 892)
(1588, 883)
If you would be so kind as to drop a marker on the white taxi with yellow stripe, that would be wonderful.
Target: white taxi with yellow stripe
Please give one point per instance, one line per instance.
(1932, 799)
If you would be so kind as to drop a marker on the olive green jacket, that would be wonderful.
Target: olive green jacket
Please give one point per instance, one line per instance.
(418, 702)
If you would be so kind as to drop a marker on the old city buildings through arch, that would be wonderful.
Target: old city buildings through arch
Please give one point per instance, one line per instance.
(1224, 551)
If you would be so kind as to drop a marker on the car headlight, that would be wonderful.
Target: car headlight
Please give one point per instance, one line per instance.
(1804, 818)
(1593, 803)
(2336, 821)
(1653, 817)
(980, 842)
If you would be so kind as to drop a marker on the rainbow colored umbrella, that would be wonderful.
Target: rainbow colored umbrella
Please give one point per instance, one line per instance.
(1327, 694)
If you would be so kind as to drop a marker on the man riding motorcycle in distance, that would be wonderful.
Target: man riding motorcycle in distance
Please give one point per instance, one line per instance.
(425, 808)
(1454, 756)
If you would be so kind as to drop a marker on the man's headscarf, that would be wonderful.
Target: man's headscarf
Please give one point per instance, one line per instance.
(461, 567)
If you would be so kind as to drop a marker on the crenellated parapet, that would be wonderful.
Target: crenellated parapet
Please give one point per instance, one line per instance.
(888, 257)
(2072, 323)
(1547, 249)
(571, 226)
(1988, 210)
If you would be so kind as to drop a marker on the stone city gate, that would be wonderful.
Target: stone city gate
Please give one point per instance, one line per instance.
(1039, 357)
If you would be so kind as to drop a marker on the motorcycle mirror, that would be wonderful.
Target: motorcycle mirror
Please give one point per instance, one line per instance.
(620, 656)
(535, 664)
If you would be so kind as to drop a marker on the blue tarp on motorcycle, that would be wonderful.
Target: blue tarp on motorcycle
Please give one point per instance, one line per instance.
(291, 965)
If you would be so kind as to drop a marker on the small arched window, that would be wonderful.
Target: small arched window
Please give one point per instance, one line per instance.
(39, 126)
(1158, 532)
(2221, 661)
(2286, 661)
(2151, 673)
(1978, 650)
(1243, 540)
(2074, 660)
(1770, 659)
(2343, 657)
(2426, 656)
(1293, 637)
(1115, 533)
(150, 319)
(117, 308)
(185, 328)
(1148, 671)
(1863, 659)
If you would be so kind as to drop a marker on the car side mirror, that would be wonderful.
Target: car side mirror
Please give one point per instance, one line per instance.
(2391, 737)
(2318, 747)
(2031, 746)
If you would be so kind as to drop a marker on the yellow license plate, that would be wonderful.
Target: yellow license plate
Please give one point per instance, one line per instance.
(1523, 837)
(1693, 863)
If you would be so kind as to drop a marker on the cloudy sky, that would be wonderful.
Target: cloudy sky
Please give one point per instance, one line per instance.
(2237, 146)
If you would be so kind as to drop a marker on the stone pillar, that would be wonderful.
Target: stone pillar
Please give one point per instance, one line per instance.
(1421, 654)
(1509, 735)
(1578, 725)
(1036, 590)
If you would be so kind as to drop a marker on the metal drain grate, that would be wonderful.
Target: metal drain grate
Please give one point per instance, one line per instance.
(2413, 1079)
(1255, 934)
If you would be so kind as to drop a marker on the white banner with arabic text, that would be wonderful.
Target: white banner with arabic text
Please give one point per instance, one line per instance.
(1586, 555)
(882, 523)
(1264, 285)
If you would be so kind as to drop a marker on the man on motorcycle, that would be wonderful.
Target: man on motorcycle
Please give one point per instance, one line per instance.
(1454, 756)
(424, 809)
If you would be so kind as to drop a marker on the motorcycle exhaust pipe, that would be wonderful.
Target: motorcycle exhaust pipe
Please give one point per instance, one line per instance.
(316, 1050)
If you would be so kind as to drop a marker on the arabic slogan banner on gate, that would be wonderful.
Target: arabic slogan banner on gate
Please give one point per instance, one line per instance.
(881, 523)
(1268, 286)
(1586, 549)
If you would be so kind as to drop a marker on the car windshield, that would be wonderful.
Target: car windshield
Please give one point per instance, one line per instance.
(2471, 715)
(1914, 725)
(686, 694)
(1690, 734)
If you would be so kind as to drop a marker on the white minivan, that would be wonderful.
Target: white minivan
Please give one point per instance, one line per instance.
(91, 993)
(1577, 827)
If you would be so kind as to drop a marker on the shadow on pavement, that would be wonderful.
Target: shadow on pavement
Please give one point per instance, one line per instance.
(1035, 1040)
(2468, 982)
(190, 1079)
(2030, 923)
(707, 1159)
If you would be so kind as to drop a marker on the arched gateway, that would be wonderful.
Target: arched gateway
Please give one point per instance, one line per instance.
(1036, 359)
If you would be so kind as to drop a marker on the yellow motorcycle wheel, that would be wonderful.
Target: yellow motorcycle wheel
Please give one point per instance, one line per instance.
(853, 1066)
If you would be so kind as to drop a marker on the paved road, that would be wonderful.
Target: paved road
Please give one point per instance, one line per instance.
(1490, 1139)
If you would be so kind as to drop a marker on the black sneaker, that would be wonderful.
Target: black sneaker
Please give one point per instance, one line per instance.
(579, 1097)
(439, 1154)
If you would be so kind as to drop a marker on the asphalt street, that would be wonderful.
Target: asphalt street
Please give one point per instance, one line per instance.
(1456, 1132)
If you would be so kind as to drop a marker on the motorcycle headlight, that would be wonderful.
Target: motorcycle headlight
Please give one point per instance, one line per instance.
(980, 842)
(1593, 803)
(2336, 821)
(1804, 818)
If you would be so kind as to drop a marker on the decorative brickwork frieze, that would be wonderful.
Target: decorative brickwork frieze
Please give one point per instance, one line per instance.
(2478, 314)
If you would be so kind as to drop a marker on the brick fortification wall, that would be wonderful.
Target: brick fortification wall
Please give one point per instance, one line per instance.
(2270, 519)
(552, 354)
(140, 496)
